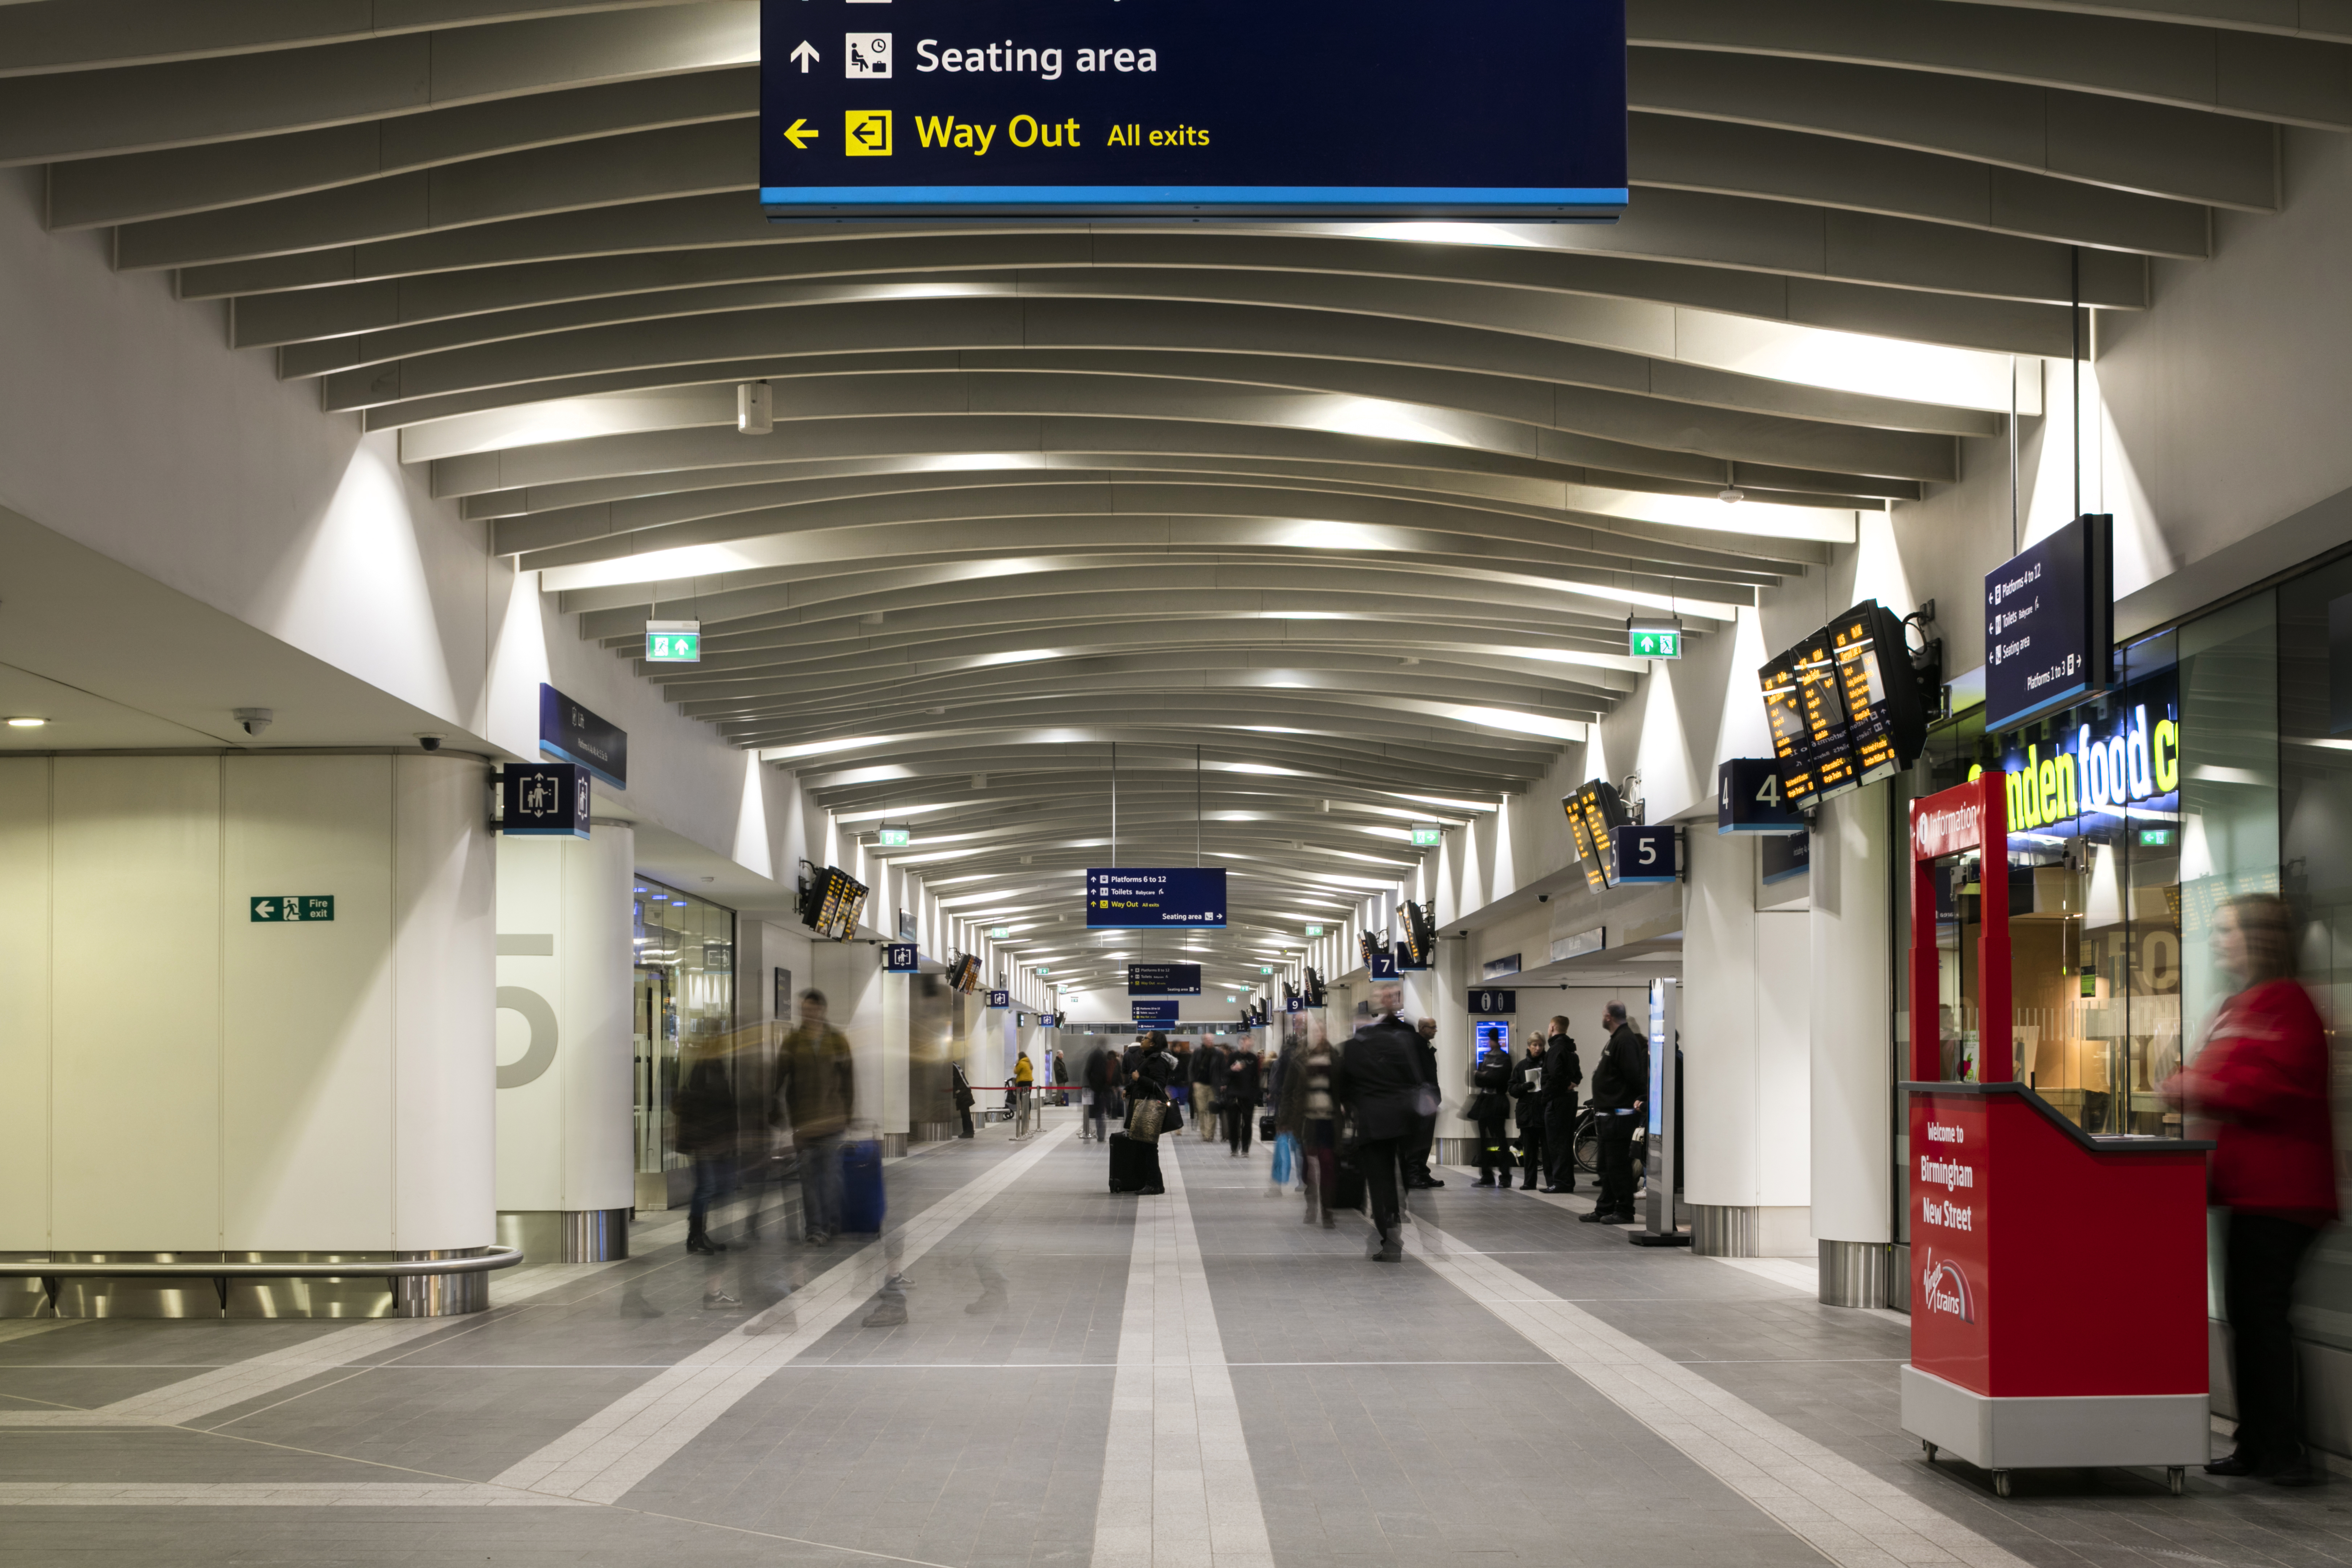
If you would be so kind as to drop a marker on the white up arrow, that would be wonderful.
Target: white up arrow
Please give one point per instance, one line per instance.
(806, 55)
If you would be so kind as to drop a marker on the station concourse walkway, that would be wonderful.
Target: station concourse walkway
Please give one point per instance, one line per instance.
(1196, 1379)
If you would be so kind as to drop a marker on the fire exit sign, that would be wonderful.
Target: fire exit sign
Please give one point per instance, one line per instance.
(1654, 644)
(290, 908)
(673, 642)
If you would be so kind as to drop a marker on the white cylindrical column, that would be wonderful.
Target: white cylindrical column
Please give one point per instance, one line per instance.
(565, 969)
(1449, 987)
(1853, 1056)
(1747, 1056)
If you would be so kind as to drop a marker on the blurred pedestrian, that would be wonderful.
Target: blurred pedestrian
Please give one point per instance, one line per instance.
(707, 1135)
(1101, 1081)
(1378, 1079)
(961, 1088)
(2261, 1084)
(1237, 1097)
(818, 1087)
(1562, 1073)
(1526, 1097)
(1423, 1141)
(1490, 1112)
(1620, 1084)
(1203, 1084)
(1308, 1112)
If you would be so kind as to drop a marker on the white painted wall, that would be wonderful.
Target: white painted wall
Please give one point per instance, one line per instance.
(192, 1079)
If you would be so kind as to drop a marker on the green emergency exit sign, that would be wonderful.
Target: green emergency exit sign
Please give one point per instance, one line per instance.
(290, 908)
(673, 642)
(1654, 644)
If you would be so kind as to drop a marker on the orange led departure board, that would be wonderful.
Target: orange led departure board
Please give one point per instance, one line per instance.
(1824, 705)
(1861, 683)
(1792, 748)
(1594, 812)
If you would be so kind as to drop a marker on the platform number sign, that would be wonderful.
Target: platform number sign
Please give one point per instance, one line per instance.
(1646, 854)
(1750, 797)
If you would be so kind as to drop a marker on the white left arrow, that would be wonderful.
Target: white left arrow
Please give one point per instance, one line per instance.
(806, 55)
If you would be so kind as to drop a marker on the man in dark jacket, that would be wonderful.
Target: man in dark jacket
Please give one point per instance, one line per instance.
(1417, 1174)
(1562, 1073)
(1621, 1085)
(1237, 1097)
(1529, 1080)
(1378, 1077)
(1201, 1082)
(1101, 1074)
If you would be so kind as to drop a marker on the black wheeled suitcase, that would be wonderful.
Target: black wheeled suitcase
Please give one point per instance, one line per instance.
(1134, 1164)
(1346, 1188)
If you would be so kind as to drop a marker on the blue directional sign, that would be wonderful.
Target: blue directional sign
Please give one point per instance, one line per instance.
(1163, 979)
(1075, 109)
(1155, 1011)
(900, 958)
(543, 800)
(1155, 899)
(569, 734)
(1000, 999)
(2048, 622)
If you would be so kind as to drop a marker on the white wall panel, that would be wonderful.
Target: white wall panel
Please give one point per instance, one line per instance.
(24, 1033)
(445, 949)
(307, 1006)
(136, 907)
(1852, 1058)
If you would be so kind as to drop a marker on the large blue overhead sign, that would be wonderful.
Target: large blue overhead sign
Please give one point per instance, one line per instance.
(1155, 897)
(2047, 628)
(1163, 979)
(1243, 107)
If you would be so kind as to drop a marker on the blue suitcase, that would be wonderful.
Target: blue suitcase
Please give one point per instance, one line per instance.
(861, 1185)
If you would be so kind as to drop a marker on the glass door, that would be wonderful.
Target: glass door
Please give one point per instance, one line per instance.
(656, 1032)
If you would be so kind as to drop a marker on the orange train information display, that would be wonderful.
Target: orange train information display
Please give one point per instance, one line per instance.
(2039, 1338)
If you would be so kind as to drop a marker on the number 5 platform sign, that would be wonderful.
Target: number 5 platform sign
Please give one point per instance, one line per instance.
(1749, 798)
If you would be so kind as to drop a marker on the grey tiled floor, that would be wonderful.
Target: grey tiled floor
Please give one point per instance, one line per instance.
(1389, 1416)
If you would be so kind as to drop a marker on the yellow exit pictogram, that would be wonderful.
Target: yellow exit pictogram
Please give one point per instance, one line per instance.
(868, 130)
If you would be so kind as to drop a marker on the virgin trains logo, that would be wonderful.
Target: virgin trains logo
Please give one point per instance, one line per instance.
(1944, 1288)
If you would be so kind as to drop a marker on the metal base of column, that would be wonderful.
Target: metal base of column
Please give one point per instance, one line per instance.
(440, 1295)
(1853, 1273)
(566, 1236)
(894, 1145)
(933, 1132)
(1455, 1152)
(1723, 1231)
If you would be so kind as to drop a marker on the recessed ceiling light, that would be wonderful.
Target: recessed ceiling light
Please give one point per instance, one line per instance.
(26, 723)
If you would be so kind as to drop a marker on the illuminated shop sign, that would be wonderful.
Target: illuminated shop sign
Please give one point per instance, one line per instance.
(2125, 765)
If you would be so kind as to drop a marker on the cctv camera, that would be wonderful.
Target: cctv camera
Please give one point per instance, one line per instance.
(1543, 898)
(253, 720)
(430, 742)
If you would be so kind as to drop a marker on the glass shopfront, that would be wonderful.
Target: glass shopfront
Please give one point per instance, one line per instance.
(685, 999)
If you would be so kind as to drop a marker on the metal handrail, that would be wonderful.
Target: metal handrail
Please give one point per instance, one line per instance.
(381, 1267)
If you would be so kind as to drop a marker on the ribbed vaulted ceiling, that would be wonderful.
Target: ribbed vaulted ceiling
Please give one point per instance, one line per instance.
(1353, 514)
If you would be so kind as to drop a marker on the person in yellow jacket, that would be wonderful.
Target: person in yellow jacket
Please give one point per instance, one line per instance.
(1023, 1075)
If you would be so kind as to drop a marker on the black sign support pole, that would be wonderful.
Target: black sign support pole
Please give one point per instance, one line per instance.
(2074, 320)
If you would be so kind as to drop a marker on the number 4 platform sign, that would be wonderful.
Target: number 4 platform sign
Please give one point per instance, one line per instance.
(1749, 798)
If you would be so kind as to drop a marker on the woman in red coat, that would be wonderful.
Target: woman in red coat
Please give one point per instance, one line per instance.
(2261, 1082)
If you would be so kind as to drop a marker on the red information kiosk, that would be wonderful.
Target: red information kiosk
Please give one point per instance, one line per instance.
(2057, 1277)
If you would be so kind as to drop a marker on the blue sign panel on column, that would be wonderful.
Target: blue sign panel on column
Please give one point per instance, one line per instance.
(569, 734)
(1075, 108)
(1382, 966)
(543, 800)
(900, 958)
(1155, 1011)
(1646, 854)
(1000, 999)
(1494, 1001)
(1155, 897)
(1750, 798)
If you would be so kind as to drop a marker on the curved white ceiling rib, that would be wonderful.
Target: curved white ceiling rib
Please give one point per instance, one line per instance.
(1329, 529)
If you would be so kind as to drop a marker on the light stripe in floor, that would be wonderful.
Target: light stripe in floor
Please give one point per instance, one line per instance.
(1850, 1516)
(613, 1451)
(269, 1494)
(1178, 1490)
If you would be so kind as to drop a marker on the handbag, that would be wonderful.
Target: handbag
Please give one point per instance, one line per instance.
(1286, 1154)
(1144, 1118)
(1172, 1120)
(1265, 1128)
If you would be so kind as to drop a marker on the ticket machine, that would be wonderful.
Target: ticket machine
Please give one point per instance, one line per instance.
(2058, 1314)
